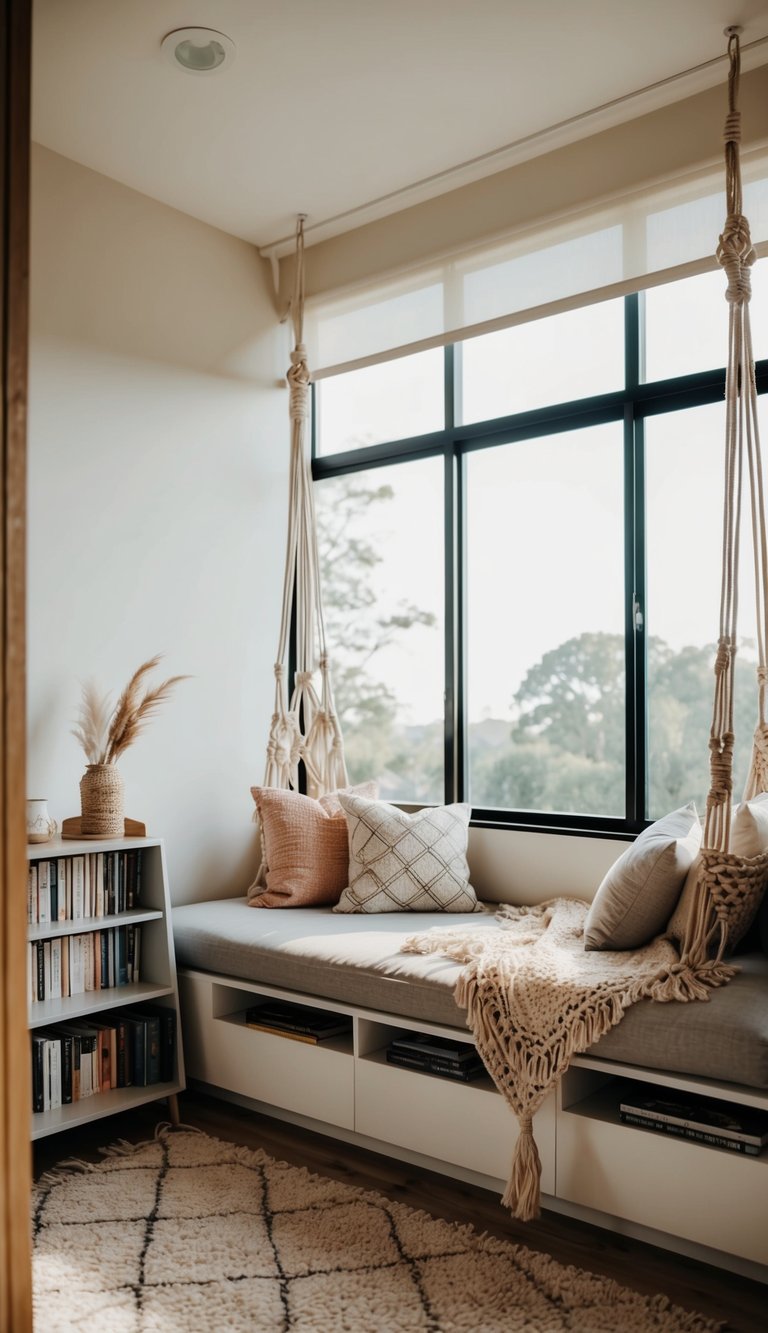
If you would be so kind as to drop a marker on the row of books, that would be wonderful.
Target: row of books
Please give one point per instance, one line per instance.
(436, 1055)
(73, 964)
(297, 1022)
(718, 1124)
(71, 888)
(133, 1048)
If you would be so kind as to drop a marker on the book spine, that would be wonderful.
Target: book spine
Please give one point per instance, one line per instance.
(61, 880)
(32, 904)
(123, 1069)
(40, 954)
(739, 1136)
(683, 1132)
(153, 1049)
(55, 991)
(139, 1048)
(100, 884)
(53, 882)
(46, 969)
(104, 951)
(78, 888)
(130, 880)
(429, 1067)
(38, 1072)
(66, 1068)
(55, 1056)
(43, 893)
(121, 960)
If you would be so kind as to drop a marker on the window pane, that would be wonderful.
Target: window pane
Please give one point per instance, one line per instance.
(684, 486)
(384, 620)
(545, 591)
(686, 324)
(392, 401)
(574, 355)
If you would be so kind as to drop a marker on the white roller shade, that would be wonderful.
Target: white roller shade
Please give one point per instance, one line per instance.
(619, 246)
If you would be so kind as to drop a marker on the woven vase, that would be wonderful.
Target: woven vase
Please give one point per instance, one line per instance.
(102, 801)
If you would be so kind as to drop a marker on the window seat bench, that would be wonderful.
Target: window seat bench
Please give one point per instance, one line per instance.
(231, 955)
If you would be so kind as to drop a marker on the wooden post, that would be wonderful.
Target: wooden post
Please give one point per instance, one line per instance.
(15, 1153)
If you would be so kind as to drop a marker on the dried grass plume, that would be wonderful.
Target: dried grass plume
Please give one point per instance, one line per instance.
(104, 733)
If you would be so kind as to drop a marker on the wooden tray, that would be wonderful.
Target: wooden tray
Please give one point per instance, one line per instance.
(70, 828)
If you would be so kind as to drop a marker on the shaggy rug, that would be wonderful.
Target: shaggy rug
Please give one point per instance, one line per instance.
(192, 1234)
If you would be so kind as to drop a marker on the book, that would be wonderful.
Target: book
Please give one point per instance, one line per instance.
(442, 1048)
(32, 915)
(53, 888)
(729, 1121)
(283, 1032)
(166, 1017)
(43, 893)
(463, 1073)
(713, 1140)
(38, 1071)
(55, 991)
(300, 1019)
(78, 887)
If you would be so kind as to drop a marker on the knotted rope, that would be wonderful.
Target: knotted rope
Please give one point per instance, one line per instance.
(728, 885)
(304, 730)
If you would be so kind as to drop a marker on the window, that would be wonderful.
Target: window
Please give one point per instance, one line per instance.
(521, 545)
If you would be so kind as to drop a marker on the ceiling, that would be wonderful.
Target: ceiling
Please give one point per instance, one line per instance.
(349, 109)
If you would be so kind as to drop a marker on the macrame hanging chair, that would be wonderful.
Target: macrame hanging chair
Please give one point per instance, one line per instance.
(729, 887)
(305, 729)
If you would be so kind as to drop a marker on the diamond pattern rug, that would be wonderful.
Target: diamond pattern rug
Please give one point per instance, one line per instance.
(189, 1234)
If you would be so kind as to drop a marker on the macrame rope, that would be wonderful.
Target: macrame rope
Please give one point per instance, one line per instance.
(305, 729)
(728, 883)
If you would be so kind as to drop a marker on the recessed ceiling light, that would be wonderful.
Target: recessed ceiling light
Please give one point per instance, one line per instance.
(198, 50)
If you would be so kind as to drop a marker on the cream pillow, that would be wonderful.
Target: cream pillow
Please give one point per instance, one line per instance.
(406, 863)
(749, 837)
(305, 847)
(634, 902)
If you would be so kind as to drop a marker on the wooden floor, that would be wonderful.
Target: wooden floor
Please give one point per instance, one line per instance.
(743, 1305)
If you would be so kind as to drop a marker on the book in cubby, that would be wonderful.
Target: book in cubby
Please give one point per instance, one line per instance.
(103, 997)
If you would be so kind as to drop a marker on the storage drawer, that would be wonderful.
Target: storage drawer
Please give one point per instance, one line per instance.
(708, 1195)
(468, 1124)
(316, 1081)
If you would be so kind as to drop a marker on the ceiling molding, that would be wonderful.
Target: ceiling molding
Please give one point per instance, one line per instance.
(688, 83)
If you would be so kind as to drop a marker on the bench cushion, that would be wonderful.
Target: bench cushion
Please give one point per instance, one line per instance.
(356, 960)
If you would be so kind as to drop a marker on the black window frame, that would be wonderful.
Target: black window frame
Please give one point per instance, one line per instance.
(630, 405)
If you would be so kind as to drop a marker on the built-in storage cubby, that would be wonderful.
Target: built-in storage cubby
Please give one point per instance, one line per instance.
(100, 961)
(661, 1187)
(711, 1195)
(346, 1081)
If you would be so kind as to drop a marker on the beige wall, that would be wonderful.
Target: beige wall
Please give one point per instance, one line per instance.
(158, 477)
(677, 138)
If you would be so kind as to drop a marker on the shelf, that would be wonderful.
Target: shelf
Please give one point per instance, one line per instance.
(49, 1012)
(662, 1078)
(93, 1108)
(50, 851)
(85, 925)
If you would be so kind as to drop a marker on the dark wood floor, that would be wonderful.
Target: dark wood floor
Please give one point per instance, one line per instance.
(743, 1305)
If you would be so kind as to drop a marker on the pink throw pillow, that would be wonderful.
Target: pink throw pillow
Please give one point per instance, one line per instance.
(306, 847)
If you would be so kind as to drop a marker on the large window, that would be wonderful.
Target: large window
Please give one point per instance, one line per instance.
(521, 542)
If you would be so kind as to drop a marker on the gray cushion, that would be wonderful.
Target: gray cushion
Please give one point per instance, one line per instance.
(357, 960)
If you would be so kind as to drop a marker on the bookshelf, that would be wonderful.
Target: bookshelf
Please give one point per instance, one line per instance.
(139, 923)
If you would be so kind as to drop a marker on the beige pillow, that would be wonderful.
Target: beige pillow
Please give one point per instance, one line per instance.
(305, 847)
(634, 902)
(406, 863)
(749, 837)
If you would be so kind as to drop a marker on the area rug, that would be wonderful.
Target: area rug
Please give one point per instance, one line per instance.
(188, 1233)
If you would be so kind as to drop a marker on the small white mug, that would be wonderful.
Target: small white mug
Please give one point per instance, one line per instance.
(40, 826)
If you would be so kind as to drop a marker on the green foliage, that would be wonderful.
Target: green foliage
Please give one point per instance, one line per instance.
(564, 749)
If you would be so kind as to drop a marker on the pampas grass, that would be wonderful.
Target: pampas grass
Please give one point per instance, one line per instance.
(106, 733)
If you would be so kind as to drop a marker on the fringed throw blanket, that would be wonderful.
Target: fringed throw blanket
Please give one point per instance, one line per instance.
(535, 998)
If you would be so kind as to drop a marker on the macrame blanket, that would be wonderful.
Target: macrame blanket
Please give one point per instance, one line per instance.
(535, 998)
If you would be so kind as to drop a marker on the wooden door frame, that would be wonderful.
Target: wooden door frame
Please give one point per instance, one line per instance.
(15, 1150)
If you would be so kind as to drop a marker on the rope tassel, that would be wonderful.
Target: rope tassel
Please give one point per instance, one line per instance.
(524, 1185)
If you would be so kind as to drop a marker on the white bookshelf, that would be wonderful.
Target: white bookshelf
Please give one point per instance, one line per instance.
(157, 977)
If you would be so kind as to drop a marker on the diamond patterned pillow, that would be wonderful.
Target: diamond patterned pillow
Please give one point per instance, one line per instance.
(406, 863)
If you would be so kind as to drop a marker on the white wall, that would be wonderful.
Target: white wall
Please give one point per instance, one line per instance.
(158, 450)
